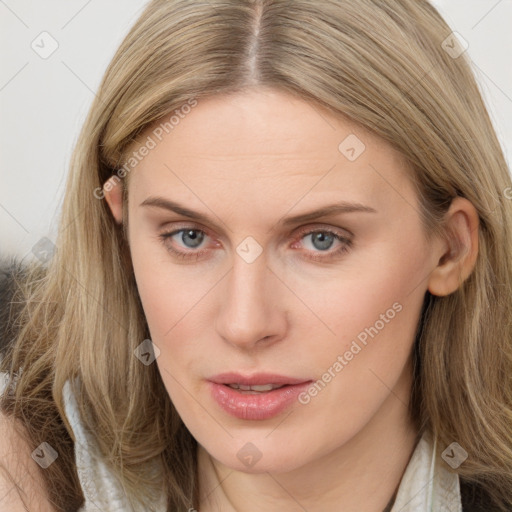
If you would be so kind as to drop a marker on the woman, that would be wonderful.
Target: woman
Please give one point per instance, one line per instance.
(282, 278)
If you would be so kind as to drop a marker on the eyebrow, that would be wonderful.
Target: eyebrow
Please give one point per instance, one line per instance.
(331, 209)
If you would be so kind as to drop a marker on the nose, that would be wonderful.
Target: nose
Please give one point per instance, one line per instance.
(250, 314)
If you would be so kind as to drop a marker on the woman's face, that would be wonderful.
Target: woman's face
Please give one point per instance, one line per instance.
(238, 275)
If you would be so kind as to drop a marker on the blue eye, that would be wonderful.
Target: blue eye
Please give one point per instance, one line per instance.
(322, 240)
(190, 238)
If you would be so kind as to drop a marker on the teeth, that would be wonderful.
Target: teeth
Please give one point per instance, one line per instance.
(260, 388)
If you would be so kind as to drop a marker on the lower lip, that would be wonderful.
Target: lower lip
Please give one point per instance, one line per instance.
(259, 406)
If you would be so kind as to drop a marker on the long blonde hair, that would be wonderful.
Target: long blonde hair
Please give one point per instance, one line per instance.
(385, 64)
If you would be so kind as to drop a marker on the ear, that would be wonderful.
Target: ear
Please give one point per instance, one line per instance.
(113, 191)
(458, 261)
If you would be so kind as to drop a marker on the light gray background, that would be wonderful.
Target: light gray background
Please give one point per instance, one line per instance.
(43, 101)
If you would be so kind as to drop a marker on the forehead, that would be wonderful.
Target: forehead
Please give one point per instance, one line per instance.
(276, 121)
(262, 142)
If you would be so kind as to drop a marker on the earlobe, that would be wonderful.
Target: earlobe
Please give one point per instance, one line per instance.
(456, 264)
(113, 191)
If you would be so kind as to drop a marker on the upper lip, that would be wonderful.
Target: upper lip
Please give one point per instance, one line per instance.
(256, 379)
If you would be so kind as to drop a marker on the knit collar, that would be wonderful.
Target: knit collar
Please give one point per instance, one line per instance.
(427, 484)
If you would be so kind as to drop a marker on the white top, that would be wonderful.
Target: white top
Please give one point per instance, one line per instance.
(426, 485)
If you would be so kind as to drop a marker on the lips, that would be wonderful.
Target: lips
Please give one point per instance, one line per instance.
(255, 397)
(256, 379)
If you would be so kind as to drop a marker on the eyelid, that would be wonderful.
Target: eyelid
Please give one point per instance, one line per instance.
(343, 232)
(183, 225)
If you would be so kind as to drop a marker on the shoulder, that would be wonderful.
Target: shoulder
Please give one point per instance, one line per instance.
(21, 483)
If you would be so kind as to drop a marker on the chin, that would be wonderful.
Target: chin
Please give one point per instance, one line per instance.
(255, 455)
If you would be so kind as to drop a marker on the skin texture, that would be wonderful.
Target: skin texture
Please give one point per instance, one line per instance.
(247, 162)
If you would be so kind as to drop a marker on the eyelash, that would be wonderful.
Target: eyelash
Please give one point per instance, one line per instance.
(194, 255)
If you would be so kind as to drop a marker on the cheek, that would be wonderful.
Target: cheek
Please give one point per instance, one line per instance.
(372, 310)
(169, 292)
(373, 319)
(379, 289)
(172, 306)
(176, 301)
